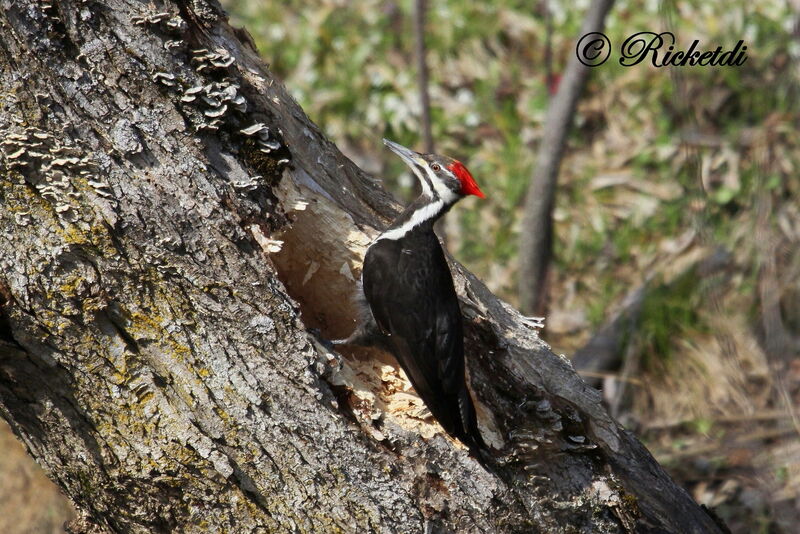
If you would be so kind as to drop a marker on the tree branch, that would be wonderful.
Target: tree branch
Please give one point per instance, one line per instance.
(536, 238)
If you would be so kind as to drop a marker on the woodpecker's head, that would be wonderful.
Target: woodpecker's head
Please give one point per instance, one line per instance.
(440, 177)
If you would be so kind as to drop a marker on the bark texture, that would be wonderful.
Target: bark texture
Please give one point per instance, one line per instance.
(171, 224)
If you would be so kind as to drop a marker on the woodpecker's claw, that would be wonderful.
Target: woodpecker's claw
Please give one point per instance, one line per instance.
(329, 344)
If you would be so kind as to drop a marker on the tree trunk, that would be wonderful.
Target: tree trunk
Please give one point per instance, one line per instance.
(172, 223)
(536, 238)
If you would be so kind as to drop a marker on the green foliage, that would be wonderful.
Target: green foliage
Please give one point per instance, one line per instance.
(668, 313)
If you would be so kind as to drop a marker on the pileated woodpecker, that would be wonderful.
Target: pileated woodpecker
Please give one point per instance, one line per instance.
(409, 304)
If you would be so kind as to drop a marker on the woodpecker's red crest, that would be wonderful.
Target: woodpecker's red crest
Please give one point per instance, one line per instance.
(439, 176)
(468, 184)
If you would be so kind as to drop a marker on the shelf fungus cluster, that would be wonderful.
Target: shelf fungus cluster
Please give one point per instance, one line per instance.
(52, 169)
(260, 133)
(165, 78)
(203, 59)
(211, 99)
(170, 24)
(216, 99)
(165, 21)
(561, 429)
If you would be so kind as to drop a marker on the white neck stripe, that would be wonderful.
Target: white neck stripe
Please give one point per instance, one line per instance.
(439, 188)
(426, 188)
(420, 216)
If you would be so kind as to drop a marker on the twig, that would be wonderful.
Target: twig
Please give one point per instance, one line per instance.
(706, 449)
(420, 8)
(595, 374)
(422, 74)
(768, 415)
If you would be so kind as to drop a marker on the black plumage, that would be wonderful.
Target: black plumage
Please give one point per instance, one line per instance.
(412, 308)
(410, 293)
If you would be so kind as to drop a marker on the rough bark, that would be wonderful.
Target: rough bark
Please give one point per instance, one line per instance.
(536, 239)
(162, 257)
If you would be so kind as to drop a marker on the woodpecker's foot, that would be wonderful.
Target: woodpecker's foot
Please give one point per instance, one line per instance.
(360, 338)
(533, 322)
(327, 343)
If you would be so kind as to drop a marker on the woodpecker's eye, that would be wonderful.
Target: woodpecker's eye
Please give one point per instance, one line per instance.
(436, 167)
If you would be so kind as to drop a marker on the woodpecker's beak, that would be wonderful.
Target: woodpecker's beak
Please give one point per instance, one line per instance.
(411, 158)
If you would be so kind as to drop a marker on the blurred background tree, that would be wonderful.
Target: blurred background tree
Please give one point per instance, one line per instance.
(676, 220)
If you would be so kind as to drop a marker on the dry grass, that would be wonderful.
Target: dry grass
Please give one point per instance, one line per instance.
(721, 417)
(29, 502)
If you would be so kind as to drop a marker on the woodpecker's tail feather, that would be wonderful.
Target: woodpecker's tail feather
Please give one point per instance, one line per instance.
(468, 432)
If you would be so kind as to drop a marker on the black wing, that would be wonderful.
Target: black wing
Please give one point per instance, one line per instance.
(411, 295)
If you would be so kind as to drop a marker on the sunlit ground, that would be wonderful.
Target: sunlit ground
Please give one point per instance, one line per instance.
(29, 502)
